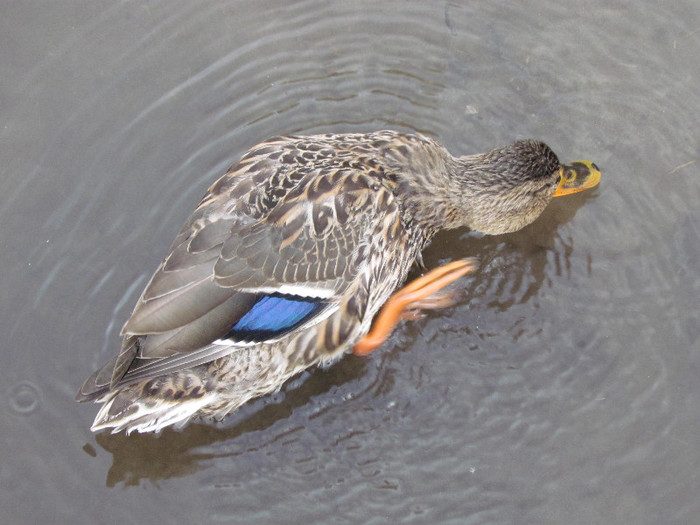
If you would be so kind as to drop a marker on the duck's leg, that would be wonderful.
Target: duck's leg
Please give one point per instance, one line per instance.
(420, 293)
(437, 301)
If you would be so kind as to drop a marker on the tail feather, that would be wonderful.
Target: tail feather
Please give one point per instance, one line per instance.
(97, 385)
(129, 409)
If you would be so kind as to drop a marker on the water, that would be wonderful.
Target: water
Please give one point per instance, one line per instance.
(562, 389)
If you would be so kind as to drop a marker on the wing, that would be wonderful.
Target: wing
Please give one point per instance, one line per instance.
(269, 250)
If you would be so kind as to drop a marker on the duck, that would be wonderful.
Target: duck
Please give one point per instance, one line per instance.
(293, 258)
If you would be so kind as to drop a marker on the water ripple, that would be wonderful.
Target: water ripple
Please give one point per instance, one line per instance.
(24, 398)
(566, 375)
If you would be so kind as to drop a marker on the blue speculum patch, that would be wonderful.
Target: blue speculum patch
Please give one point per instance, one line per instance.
(273, 316)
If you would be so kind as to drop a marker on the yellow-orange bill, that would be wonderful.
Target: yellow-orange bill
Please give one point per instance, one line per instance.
(577, 176)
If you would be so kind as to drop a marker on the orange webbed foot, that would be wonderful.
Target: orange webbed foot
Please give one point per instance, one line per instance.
(420, 293)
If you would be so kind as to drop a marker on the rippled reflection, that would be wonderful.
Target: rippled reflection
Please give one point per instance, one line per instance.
(183, 448)
(561, 389)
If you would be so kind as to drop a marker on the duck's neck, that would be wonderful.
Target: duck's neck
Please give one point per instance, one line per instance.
(434, 187)
(438, 191)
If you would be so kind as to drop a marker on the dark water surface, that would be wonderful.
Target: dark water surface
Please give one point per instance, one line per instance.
(563, 389)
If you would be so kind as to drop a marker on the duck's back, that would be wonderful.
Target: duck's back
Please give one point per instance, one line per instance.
(281, 266)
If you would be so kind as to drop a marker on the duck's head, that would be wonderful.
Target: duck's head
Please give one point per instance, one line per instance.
(508, 188)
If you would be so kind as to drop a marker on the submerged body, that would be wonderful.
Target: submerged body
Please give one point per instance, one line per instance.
(289, 256)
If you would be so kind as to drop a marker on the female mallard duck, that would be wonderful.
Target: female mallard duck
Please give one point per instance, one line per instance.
(289, 256)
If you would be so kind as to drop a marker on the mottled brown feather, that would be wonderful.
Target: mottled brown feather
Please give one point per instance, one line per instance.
(338, 217)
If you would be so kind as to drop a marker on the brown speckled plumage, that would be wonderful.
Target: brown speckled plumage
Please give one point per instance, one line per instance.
(337, 218)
